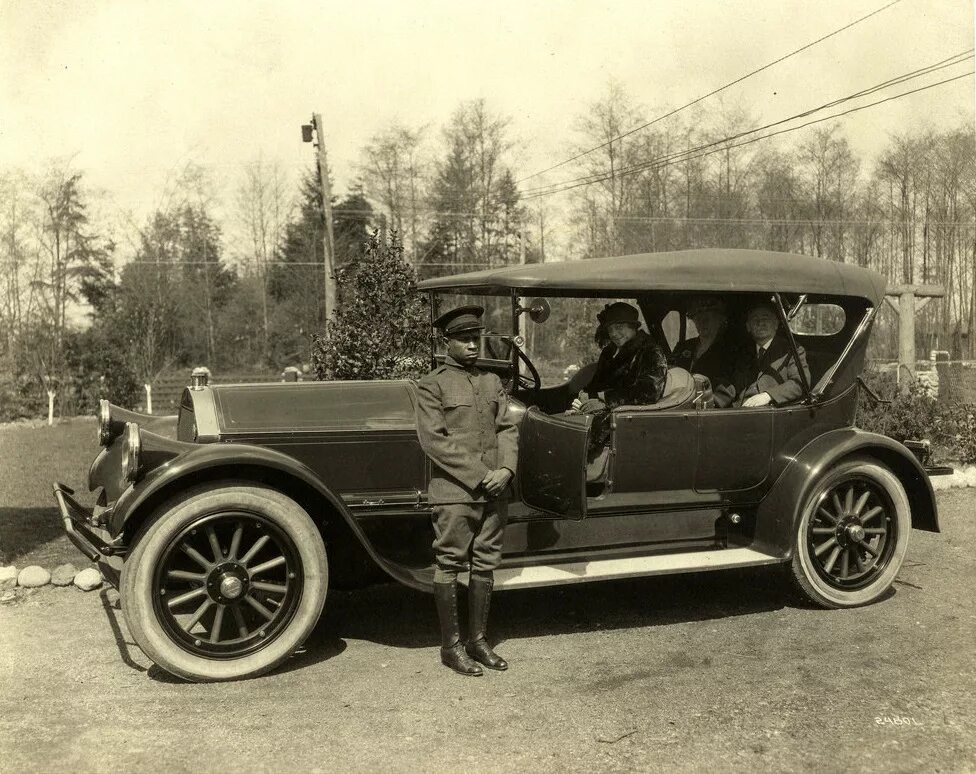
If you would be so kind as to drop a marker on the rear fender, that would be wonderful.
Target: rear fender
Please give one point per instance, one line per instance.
(241, 462)
(777, 515)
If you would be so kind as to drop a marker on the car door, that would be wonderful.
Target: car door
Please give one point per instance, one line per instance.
(734, 447)
(655, 452)
(552, 463)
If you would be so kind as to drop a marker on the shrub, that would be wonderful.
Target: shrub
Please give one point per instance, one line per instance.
(965, 431)
(100, 368)
(20, 397)
(380, 329)
(912, 413)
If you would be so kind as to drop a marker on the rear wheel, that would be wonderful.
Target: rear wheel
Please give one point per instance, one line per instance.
(225, 583)
(852, 536)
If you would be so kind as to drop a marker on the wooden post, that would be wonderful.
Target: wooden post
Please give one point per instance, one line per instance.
(148, 398)
(328, 238)
(50, 406)
(911, 299)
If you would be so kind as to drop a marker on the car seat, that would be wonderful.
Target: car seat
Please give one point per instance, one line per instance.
(681, 390)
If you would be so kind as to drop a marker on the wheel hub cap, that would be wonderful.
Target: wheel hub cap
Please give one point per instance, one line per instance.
(231, 587)
(855, 532)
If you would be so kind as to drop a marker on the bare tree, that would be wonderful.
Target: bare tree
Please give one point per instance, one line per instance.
(393, 170)
(829, 172)
(263, 210)
(18, 292)
(601, 125)
(75, 263)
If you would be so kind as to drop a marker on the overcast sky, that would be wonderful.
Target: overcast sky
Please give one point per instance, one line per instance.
(134, 90)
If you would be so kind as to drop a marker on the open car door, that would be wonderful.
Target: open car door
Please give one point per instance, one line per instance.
(552, 463)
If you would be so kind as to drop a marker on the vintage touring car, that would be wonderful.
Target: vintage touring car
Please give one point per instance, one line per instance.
(225, 531)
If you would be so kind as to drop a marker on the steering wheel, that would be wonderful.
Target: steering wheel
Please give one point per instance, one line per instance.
(535, 383)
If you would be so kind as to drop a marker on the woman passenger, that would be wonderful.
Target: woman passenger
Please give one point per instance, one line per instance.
(709, 353)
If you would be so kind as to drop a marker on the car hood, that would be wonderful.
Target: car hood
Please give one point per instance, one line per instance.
(290, 407)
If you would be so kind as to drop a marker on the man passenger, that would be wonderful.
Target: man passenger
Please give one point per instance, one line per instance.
(468, 433)
(767, 372)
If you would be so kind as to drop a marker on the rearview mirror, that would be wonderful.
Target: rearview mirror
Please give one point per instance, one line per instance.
(538, 310)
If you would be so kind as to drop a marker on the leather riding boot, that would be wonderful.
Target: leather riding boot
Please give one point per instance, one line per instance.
(452, 651)
(479, 601)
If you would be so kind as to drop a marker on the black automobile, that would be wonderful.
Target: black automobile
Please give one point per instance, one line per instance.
(225, 526)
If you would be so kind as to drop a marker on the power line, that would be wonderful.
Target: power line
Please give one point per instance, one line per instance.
(244, 264)
(668, 160)
(786, 221)
(711, 93)
(905, 77)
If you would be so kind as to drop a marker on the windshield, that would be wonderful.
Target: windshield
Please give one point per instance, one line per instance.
(569, 339)
(558, 347)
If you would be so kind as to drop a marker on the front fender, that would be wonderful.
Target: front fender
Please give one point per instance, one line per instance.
(238, 461)
(777, 515)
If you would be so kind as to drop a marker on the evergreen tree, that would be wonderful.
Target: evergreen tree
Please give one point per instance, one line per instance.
(477, 217)
(381, 328)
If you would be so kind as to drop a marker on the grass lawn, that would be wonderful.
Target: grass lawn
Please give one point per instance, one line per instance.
(32, 457)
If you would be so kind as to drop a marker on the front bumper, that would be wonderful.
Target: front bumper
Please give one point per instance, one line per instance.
(81, 527)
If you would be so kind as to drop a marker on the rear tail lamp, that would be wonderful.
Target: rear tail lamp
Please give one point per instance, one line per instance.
(131, 449)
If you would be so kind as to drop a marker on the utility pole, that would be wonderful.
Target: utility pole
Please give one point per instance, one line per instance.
(911, 299)
(328, 238)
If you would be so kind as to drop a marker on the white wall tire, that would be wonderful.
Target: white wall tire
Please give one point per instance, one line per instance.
(852, 535)
(225, 583)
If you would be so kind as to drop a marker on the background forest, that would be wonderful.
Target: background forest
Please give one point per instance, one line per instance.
(227, 271)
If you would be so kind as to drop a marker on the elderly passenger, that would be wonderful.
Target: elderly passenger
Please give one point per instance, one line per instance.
(709, 353)
(767, 372)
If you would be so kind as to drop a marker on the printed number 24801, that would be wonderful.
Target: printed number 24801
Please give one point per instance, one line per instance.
(896, 720)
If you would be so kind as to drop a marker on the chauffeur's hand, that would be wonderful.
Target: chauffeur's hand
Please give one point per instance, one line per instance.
(496, 481)
(755, 401)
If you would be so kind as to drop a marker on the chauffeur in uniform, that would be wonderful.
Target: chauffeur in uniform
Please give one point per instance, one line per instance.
(466, 429)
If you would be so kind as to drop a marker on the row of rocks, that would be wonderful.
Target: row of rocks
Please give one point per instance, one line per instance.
(35, 576)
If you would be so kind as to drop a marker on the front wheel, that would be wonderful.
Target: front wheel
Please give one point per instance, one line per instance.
(852, 536)
(225, 583)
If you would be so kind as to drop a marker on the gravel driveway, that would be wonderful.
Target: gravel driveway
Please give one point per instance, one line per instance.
(715, 672)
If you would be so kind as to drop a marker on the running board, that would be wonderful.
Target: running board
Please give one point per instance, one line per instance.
(632, 567)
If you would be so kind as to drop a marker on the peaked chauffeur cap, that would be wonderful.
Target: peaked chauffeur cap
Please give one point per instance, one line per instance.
(463, 319)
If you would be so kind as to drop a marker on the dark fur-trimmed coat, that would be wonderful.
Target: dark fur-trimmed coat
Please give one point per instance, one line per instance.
(634, 375)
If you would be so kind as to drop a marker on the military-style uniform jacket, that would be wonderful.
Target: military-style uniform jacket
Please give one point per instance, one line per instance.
(776, 372)
(717, 363)
(634, 375)
(466, 429)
